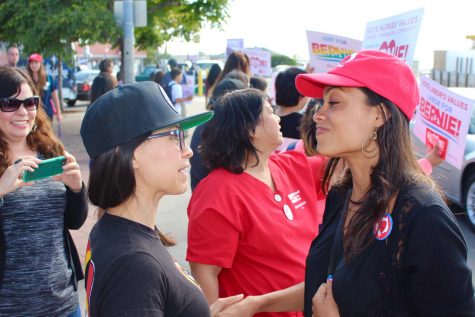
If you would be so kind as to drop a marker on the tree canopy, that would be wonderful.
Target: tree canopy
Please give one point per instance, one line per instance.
(50, 26)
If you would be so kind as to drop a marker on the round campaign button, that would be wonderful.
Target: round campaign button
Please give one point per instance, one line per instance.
(277, 198)
(383, 228)
(288, 212)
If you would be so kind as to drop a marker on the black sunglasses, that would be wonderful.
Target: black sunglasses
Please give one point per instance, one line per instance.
(12, 104)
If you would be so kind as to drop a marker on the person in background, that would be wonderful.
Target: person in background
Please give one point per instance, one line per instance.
(158, 76)
(176, 90)
(289, 102)
(13, 55)
(46, 86)
(238, 61)
(129, 272)
(198, 170)
(258, 83)
(172, 64)
(103, 82)
(39, 264)
(211, 77)
(251, 220)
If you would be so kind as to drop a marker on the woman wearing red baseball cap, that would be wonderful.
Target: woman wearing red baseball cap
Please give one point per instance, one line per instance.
(389, 245)
(46, 86)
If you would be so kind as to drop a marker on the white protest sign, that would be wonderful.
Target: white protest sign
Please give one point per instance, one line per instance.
(189, 87)
(260, 61)
(396, 35)
(234, 45)
(327, 50)
(443, 117)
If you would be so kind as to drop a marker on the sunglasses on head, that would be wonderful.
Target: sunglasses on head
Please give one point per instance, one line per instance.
(13, 104)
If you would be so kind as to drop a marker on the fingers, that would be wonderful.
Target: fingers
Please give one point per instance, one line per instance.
(69, 157)
(329, 287)
(231, 300)
(222, 303)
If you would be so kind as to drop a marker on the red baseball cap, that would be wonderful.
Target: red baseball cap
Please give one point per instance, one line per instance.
(383, 73)
(35, 57)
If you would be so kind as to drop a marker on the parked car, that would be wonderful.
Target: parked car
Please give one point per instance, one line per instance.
(147, 73)
(457, 185)
(84, 79)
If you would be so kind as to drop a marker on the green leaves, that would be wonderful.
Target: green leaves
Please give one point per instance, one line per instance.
(50, 26)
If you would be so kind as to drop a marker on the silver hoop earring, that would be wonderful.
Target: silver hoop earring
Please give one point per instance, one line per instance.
(33, 128)
(368, 153)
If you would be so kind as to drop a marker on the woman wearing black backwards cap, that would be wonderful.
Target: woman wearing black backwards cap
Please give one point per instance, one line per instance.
(389, 245)
(136, 141)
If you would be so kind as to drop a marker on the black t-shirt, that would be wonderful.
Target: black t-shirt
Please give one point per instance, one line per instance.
(289, 125)
(130, 273)
(419, 270)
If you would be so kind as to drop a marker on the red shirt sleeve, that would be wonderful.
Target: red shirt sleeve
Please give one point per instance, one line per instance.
(214, 225)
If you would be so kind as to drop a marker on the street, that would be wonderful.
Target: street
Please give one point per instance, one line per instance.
(172, 218)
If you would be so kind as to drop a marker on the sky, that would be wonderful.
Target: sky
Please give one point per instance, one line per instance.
(280, 25)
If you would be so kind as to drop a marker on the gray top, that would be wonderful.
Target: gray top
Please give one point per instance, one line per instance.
(37, 280)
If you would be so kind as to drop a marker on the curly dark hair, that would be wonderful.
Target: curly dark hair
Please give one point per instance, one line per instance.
(397, 167)
(226, 141)
(43, 139)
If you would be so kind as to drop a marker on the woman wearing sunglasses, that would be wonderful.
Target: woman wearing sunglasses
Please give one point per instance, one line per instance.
(139, 157)
(39, 265)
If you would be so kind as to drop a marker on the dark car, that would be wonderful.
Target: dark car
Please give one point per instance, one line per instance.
(84, 79)
(147, 73)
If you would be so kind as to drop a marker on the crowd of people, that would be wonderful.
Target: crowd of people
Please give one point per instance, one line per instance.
(313, 206)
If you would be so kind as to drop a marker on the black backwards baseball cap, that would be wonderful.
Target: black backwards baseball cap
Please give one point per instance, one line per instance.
(129, 111)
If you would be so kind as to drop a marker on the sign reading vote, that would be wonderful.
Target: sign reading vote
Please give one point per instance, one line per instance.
(395, 35)
(327, 50)
(443, 117)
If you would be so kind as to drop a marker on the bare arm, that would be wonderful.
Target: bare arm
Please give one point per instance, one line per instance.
(286, 300)
(207, 277)
(59, 116)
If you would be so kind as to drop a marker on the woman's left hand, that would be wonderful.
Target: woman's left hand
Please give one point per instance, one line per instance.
(71, 175)
(324, 304)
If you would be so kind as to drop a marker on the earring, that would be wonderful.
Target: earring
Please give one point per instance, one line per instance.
(368, 153)
(33, 128)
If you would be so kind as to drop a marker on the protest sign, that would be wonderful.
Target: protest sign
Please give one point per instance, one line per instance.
(234, 45)
(396, 35)
(260, 62)
(443, 117)
(327, 50)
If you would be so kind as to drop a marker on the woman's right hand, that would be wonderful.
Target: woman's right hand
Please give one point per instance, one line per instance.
(11, 178)
(244, 308)
(222, 303)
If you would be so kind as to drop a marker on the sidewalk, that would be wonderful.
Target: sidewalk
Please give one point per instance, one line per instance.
(172, 218)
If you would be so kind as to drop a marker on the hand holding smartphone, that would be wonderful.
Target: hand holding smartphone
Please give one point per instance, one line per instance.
(46, 168)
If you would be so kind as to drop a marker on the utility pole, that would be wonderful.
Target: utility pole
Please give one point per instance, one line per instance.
(129, 41)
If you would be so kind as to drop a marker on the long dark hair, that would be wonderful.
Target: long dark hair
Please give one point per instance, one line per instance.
(112, 179)
(226, 141)
(397, 167)
(43, 139)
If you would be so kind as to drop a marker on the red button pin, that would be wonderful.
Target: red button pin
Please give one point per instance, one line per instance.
(383, 228)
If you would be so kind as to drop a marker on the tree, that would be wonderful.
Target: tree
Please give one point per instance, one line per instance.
(50, 26)
(168, 19)
(277, 59)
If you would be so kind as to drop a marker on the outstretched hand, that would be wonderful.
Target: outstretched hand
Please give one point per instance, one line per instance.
(222, 303)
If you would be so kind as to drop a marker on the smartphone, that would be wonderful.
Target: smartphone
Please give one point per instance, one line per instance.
(46, 168)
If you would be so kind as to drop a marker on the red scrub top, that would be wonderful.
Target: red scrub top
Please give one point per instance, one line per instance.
(260, 238)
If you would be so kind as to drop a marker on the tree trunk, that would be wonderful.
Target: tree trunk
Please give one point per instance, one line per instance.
(60, 81)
